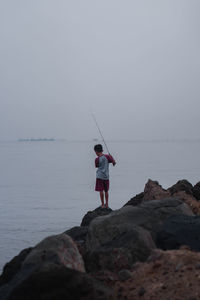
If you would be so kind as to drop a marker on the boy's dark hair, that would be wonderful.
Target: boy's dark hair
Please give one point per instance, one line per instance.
(98, 148)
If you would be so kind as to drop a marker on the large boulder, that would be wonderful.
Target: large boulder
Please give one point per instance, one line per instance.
(58, 282)
(148, 215)
(131, 228)
(57, 250)
(180, 230)
(90, 215)
(127, 245)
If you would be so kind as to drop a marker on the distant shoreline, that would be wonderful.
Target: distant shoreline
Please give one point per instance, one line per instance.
(139, 141)
(37, 140)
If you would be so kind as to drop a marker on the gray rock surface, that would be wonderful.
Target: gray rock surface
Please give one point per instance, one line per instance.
(129, 229)
(149, 215)
(91, 215)
(130, 244)
(180, 230)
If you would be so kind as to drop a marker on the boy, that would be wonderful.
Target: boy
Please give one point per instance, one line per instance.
(102, 176)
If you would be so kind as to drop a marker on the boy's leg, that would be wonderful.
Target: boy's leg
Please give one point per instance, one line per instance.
(106, 196)
(102, 198)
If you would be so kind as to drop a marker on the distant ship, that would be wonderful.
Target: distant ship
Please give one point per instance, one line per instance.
(37, 140)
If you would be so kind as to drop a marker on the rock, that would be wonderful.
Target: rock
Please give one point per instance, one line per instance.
(181, 185)
(149, 215)
(108, 259)
(180, 230)
(78, 234)
(154, 191)
(106, 277)
(93, 214)
(129, 229)
(183, 190)
(196, 191)
(136, 200)
(141, 291)
(11, 268)
(124, 275)
(132, 243)
(61, 283)
(57, 250)
(119, 249)
(192, 202)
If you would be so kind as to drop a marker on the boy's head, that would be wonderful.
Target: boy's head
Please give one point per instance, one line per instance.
(98, 149)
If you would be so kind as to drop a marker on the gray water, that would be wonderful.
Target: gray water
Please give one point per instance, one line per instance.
(47, 187)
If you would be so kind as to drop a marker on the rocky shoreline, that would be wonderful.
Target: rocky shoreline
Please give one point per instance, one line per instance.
(148, 249)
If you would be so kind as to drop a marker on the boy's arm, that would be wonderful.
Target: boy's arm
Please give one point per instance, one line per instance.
(97, 162)
(111, 159)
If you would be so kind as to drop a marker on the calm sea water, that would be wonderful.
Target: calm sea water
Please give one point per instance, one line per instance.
(47, 187)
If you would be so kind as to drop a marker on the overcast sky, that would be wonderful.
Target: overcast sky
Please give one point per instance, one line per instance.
(135, 64)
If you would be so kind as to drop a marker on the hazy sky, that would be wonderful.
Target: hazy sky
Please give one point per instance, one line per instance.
(135, 64)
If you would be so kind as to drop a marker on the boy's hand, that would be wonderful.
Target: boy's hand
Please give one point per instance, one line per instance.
(114, 163)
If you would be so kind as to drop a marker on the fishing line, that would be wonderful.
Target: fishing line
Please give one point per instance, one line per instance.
(93, 116)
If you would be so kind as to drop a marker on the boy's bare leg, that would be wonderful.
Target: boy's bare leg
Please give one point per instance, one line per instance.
(102, 198)
(106, 196)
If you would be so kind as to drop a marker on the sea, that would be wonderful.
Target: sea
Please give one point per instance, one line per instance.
(46, 187)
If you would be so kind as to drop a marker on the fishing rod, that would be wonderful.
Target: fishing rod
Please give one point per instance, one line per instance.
(100, 132)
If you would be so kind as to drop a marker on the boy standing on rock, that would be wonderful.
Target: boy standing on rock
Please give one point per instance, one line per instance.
(102, 175)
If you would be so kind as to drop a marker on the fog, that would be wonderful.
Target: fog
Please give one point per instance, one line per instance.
(134, 64)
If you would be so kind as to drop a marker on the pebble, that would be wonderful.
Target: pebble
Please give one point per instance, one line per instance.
(124, 275)
(178, 267)
(164, 286)
(141, 291)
